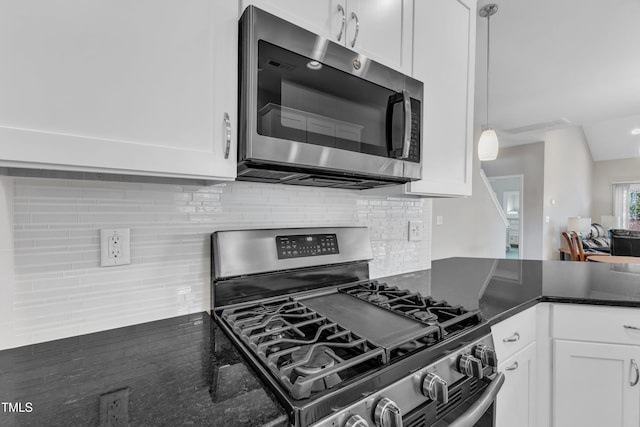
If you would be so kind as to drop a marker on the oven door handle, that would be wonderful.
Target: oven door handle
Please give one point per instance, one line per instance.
(480, 406)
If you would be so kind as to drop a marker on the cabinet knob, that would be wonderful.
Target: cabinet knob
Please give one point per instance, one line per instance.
(470, 366)
(227, 135)
(513, 338)
(435, 388)
(633, 369)
(344, 21)
(512, 367)
(355, 36)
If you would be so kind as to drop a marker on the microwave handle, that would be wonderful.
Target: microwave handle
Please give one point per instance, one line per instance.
(406, 142)
(403, 97)
(480, 406)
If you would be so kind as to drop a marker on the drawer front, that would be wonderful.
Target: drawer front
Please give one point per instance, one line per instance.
(515, 333)
(618, 325)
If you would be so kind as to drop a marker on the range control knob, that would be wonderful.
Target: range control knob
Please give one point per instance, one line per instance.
(435, 388)
(486, 355)
(470, 366)
(356, 421)
(387, 414)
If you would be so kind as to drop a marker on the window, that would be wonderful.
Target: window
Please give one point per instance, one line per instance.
(626, 204)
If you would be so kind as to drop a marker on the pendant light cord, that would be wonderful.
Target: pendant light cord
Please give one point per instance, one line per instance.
(488, 56)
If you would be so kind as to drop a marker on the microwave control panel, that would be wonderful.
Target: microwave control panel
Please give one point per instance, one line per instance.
(306, 245)
(414, 147)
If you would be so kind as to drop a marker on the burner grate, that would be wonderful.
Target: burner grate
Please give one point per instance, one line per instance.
(304, 350)
(450, 319)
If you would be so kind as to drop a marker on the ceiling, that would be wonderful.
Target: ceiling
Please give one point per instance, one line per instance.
(559, 63)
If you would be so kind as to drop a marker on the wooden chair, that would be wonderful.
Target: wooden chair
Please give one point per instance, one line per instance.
(577, 243)
(572, 246)
(582, 255)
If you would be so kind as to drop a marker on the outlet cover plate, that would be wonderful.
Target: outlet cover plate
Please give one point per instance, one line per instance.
(416, 230)
(115, 246)
(114, 408)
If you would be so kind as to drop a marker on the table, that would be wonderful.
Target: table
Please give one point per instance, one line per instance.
(615, 259)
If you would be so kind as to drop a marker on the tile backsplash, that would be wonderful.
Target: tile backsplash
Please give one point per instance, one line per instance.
(57, 288)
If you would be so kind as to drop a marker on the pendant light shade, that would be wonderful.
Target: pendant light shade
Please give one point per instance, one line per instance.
(488, 143)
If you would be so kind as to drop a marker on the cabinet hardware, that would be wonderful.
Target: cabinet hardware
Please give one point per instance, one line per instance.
(227, 135)
(355, 36)
(344, 21)
(513, 338)
(512, 367)
(635, 328)
(633, 368)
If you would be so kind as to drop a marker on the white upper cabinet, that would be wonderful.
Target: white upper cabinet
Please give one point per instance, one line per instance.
(444, 60)
(444, 44)
(144, 88)
(379, 29)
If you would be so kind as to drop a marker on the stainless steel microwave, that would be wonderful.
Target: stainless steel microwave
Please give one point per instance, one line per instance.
(313, 112)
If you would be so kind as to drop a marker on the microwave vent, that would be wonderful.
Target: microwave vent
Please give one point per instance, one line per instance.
(266, 175)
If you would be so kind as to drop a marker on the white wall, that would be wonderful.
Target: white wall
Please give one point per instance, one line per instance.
(472, 226)
(568, 180)
(526, 160)
(6, 261)
(50, 237)
(605, 173)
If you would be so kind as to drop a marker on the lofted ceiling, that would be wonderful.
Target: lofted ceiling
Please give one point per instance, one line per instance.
(559, 63)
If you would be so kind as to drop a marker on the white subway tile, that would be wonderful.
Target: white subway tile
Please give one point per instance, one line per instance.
(56, 241)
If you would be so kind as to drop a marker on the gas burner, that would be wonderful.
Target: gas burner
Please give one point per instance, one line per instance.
(378, 299)
(408, 346)
(426, 316)
(429, 339)
(313, 359)
(275, 327)
(319, 357)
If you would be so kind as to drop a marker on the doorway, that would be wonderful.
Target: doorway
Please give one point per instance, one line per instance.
(509, 191)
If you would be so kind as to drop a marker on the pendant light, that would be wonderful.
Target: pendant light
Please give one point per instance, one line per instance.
(488, 143)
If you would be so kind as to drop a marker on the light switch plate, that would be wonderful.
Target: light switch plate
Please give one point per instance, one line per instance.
(115, 247)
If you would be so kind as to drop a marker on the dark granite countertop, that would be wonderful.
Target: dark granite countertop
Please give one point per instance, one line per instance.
(174, 372)
(184, 370)
(501, 288)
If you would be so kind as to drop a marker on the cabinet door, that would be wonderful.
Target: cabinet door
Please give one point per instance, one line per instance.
(444, 60)
(516, 402)
(384, 32)
(318, 16)
(117, 86)
(593, 385)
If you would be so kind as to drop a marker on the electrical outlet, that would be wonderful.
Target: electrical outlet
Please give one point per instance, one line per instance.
(114, 408)
(416, 229)
(115, 247)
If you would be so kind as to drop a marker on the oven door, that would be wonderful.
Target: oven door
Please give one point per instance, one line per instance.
(477, 409)
(310, 103)
(471, 404)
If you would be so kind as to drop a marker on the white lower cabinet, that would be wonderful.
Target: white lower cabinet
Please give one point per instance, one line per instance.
(596, 384)
(515, 405)
(515, 344)
(596, 359)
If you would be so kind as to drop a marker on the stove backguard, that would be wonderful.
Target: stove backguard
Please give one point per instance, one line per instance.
(249, 265)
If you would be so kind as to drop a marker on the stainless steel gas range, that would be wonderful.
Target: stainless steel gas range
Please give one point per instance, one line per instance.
(339, 349)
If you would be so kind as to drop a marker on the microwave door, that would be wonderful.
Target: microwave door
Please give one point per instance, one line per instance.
(398, 125)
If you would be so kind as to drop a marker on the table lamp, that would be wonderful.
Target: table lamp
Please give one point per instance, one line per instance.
(580, 225)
